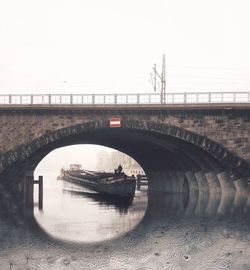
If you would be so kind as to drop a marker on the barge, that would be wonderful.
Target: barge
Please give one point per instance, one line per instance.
(113, 183)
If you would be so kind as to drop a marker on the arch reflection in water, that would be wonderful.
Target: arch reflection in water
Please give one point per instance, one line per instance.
(75, 213)
(228, 204)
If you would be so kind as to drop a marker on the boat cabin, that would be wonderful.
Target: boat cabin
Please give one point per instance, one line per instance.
(75, 167)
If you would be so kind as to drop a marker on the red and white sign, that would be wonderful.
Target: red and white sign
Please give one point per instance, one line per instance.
(115, 122)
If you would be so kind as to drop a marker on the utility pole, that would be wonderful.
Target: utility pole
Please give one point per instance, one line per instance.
(162, 78)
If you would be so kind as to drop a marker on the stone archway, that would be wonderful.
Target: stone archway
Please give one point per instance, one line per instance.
(183, 153)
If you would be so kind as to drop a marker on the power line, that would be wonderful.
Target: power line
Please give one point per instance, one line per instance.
(213, 68)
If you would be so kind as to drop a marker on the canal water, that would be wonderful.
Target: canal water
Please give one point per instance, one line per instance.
(155, 231)
(73, 213)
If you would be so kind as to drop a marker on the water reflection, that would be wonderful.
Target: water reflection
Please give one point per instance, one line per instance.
(75, 213)
(103, 200)
(211, 231)
(211, 206)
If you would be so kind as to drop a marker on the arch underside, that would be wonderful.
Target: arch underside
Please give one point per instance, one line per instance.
(169, 155)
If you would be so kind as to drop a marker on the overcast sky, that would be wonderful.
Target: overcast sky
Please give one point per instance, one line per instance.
(78, 46)
(86, 155)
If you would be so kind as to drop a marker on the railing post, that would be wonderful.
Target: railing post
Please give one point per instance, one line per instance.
(185, 98)
(40, 190)
(209, 97)
(31, 99)
(234, 97)
(71, 99)
(49, 98)
(28, 194)
(138, 98)
(93, 98)
(115, 98)
(10, 99)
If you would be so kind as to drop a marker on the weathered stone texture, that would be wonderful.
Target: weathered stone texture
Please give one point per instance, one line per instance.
(230, 128)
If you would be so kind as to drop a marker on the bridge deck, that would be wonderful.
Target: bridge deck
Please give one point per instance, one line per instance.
(200, 106)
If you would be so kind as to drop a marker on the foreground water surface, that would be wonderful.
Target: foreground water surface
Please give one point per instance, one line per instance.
(82, 230)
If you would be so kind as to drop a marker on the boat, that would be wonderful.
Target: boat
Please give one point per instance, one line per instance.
(113, 183)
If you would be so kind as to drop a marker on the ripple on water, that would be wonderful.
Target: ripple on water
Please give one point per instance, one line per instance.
(133, 239)
(186, 237)
(159, 232)
(171, 254)
(205, 242)
(222, 263)
(144, 268)
(216, 264)
(121, 261)
(152, 265)
(184, 228)
(171, 266)
(208, 267)
(92, 265)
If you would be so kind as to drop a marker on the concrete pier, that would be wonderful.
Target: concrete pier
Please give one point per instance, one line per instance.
(214, 193)
(161, 181)
(227, 193)
(176, 185)
(203, 193)
(241, 194)
(193, 192)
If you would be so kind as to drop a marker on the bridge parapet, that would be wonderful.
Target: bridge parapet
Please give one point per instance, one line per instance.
(123, 99)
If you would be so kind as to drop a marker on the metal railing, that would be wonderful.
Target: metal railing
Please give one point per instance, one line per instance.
(123, 99)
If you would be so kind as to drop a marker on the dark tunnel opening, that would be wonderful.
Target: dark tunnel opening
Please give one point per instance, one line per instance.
(174, 167)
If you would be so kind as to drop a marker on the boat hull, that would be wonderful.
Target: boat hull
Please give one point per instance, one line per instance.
(112, 186)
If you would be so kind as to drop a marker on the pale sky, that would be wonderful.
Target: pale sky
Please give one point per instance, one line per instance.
(97, 46)
(84, 154)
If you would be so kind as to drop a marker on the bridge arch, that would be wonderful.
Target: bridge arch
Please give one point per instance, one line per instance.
(165, 152)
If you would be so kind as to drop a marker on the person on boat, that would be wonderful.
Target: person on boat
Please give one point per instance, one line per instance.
(118, 171)
(119, 168)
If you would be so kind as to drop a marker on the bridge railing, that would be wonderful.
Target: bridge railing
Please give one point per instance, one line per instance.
(119, 99)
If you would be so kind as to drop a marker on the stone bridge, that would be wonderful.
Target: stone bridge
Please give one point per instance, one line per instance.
(205, 148)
